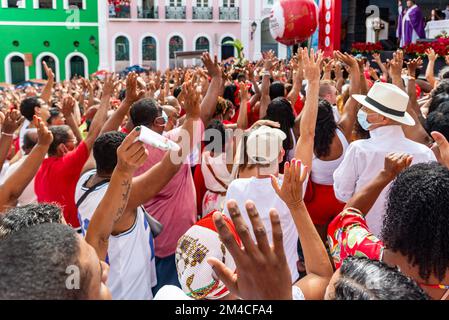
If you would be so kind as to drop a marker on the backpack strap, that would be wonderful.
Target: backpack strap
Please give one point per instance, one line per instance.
(90, 190)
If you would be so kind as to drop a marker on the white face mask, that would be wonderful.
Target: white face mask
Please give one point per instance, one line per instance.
(362, 119)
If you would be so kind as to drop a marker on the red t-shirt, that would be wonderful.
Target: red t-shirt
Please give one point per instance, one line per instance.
(253, 115)
(56, 181)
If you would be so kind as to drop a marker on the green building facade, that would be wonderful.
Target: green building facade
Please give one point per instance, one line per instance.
(63, 33)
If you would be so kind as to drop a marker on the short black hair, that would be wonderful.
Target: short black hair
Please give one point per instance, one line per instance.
(60, 135)
(212, 129)
(105, 151)
(437, 100)
(39, 258)
(325, 130)
(27, 107)
(416, 222)
(277, 90)
(365, 279)
(122, 95)
(229, 93)
(177, 91)
(54, 112)
(144, 112)
(29, 140)
(439, 120)
(19, 218)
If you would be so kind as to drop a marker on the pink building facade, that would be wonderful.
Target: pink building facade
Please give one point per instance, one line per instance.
(149, 32)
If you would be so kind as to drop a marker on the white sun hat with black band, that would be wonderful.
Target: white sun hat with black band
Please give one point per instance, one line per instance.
(389, 101)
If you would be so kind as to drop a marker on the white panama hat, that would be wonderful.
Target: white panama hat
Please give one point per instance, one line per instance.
(388, 100)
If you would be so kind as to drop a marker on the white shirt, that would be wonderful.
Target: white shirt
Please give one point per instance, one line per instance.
(363, 161)
(28, 195)
(130, 256)
(261, 192)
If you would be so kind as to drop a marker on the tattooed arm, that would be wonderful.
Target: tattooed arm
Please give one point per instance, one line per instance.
(130, 156)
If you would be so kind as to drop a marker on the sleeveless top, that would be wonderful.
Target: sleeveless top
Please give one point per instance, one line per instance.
(323, 171)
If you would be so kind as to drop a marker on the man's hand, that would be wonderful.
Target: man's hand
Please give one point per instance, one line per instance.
(243, 91)
(346, 59)
(192, 99)
(131, 154)
(109, 85)
(443, 146)
(68, 106)
(270, 60)
(213, 68)
(133, 94)
(262, 271)
(396, 64)
(312, 63)
(414, 64)
(44, 136)
(13, 120)
(291, 191)
(395, 163)
(48, 72)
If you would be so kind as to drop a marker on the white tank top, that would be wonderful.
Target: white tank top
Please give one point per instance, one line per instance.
(323, 171)
(130, 255)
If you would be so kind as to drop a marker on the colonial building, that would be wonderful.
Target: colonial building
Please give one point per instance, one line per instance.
(64, 33)
(149, 32)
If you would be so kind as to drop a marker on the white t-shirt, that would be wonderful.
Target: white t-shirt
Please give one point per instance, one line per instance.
(130, 256)
(28, 195)
(261, 192)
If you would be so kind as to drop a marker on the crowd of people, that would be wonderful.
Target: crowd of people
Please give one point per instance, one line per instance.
(304, 179)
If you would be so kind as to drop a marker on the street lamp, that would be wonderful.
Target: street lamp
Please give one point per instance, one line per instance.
(93, 42)
(253, 29)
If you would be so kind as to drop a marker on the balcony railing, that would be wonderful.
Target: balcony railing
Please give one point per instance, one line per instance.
(229, 13)
(147, 13)
(202, 13)
(175, 13)
(120, 11)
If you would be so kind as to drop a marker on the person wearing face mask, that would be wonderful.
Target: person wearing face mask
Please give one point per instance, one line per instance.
(171, 115)
(382, 114)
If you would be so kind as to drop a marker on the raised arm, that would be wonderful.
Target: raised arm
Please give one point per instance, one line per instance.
(382, 67)
(430, 71)
(19, 180)
(265, 99)
(68, 107)
(298, 76)
(242, 120)
(304, 148)
(133, 94)
(396, 69)
(318, 266)
(417, 132)
(364, 199)
(101, 115)
(350, 110)
(256, 97)
(130, 156)
(209, 103)
(47, 91)
(13, 120)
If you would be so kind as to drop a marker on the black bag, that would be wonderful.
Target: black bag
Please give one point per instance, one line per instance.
(155, 226)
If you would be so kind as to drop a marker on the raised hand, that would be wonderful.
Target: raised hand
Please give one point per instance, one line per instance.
(44, 136)
(109, 85)
(312, 63)
(48, 71)
(397, 63)
(395, 163)
(414, 64)
(443, 145)
(13, 120)
(191, 99)
(68, 106)
(131, 154)
(133, 94)
(291, 191)
(243, 91)
(431, 55)
(213, 68)
(262, 271)
(270, 60)
(346, 59)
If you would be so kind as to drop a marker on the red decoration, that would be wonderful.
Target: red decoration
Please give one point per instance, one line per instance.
(366, 47)
(440, 46)
(330, 26)
(293, 21)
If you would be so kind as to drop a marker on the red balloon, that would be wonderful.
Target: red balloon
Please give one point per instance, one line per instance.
(293, 21)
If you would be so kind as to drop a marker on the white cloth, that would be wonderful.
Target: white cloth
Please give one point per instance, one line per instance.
(364, 160)
(171, 293)
(291, 152)
(261, 192)
(3, 171)
(130, 256)
(337, 115)
(297, 293)
(28, 195)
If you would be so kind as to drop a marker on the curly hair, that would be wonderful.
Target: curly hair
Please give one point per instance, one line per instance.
(365, 279)
(416, 222)
(325, 129)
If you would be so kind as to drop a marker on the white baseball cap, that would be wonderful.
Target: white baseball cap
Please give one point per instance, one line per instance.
(264, 144)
